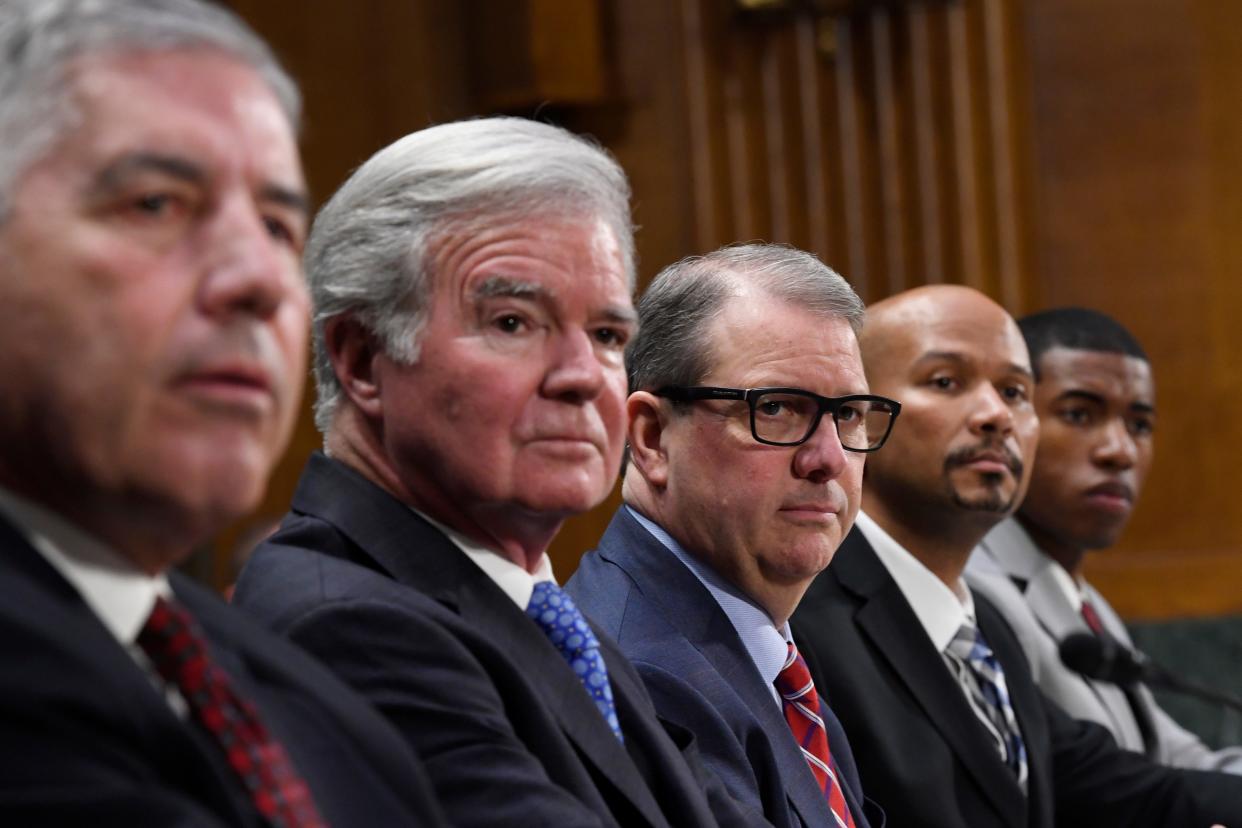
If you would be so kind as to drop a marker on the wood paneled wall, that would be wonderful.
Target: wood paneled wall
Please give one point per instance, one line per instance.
(1044, 151)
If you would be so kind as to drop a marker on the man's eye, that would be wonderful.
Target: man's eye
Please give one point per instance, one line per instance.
(1076, 416)
(848, 414)
(153, 203)
(770, 408)
(1142, 426)
(279, 230)
(613, 337)
(943, 383)
(509, 323)
(1014, 392)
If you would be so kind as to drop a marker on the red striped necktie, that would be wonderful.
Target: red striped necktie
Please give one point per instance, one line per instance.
(172, 641)
(801, 705)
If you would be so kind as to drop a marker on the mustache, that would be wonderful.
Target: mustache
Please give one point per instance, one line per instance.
(968, 454)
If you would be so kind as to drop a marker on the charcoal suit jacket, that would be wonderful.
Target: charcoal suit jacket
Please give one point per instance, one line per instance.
(87, 738)
(507, 732)
(924, 755)
(700, 676)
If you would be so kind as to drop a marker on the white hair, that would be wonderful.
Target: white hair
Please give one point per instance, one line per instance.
(40, 40)
(367, 254)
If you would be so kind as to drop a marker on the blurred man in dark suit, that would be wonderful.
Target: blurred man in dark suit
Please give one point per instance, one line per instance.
(471, 288)
(749, 422)
(152, 327)
(948, 726)
(1096, 401)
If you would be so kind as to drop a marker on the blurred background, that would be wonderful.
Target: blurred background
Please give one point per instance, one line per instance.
(1047, 152)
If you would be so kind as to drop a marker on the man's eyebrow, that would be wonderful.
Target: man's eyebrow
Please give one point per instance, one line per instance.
(621, 315)
(1085, 396)
(508, 287)
(113, 176)
(294, 199)
(960, 359)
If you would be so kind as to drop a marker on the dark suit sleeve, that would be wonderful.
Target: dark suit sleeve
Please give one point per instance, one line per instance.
(1098, 783)
(440, 698)
(57, 781)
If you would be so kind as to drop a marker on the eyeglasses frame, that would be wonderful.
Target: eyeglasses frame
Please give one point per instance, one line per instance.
(695, 393)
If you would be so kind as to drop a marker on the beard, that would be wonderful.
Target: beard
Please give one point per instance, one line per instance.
(991, 499)
(990, 496)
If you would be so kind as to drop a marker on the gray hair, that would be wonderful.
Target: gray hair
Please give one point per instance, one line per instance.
(672, 346)
(369, 252)
(40, 40)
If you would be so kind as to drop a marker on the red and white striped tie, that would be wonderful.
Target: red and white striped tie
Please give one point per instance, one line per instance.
(801, 705)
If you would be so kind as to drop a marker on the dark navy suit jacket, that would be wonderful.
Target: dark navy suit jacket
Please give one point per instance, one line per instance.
(86, 738)
(506, 730)
(700, 676)
(925, 756)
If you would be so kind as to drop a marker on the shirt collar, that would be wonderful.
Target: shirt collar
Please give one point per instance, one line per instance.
(119, 593)
(766, 645)
(941, 611)
(1012, 546)
(512, 579)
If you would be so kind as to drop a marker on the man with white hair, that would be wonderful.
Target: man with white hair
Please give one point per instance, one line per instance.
(152, 327)
(471, 289)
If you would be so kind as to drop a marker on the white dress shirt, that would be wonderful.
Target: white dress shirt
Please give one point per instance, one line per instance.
(512, 579)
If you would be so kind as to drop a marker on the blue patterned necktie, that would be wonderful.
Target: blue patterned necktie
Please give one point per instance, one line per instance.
(989, 696)
(561, 621)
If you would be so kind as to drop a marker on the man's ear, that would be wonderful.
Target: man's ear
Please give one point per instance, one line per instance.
(648, 418)
(353, 351)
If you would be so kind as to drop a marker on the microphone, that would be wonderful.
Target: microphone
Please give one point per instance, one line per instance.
(1108, 660)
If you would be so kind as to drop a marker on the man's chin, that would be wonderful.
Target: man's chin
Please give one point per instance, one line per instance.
(988, 501)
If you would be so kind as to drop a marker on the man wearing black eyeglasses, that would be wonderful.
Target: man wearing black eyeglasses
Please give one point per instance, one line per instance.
(749, 418)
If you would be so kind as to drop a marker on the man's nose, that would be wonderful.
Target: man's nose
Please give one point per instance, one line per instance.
(574, 371)
(249, 270)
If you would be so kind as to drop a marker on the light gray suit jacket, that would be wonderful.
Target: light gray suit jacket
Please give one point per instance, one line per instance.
(1018, 578)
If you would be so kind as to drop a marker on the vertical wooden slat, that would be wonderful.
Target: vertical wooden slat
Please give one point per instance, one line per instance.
(851, 160)
(1004, 201)
(964, 147)
(925, 141)
(889, 157)
(776, 155)
(699, 125)
(813, 116)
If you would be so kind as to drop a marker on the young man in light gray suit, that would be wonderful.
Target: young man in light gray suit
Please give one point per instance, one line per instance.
(1095, 397)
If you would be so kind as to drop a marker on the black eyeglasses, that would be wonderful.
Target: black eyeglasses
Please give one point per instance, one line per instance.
(789, 416)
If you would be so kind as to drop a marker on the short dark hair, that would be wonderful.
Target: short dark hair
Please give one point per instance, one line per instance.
(1081, 329)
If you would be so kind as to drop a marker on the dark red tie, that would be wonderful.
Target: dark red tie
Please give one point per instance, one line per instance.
(173, 643)
(1092, 618)
(801, 705)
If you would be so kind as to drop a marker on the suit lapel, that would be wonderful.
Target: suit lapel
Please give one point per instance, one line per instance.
(183, 754)
(885, 617)
(418, 555)
(1053, 611)
(696, 614)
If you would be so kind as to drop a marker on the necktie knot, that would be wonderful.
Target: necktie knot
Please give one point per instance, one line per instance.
(968, 645)
(560, 619)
